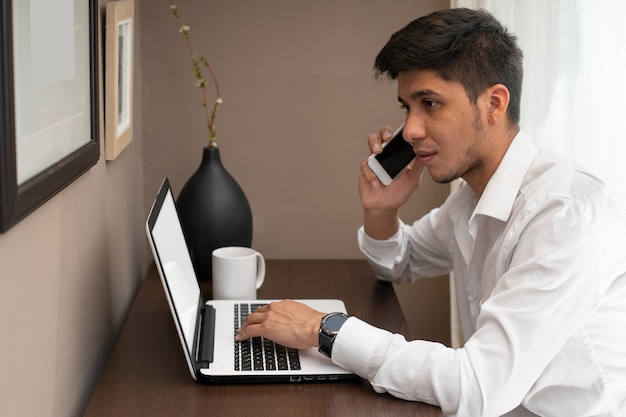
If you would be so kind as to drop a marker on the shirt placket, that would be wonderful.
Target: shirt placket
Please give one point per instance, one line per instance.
(476, 263)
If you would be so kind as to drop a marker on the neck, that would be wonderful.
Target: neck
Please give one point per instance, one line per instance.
(499, 143)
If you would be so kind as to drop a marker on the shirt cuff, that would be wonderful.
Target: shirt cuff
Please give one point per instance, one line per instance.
(380, 249)
(386, 257)
(355, 345)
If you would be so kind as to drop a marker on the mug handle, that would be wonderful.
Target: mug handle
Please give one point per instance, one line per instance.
(260, 274)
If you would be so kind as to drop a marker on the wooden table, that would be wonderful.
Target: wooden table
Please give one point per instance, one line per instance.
(147, 374)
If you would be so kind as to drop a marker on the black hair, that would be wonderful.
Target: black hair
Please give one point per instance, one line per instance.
(462, 45)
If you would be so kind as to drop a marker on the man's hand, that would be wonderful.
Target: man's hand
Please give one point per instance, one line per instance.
(287, 322)
(380, 203)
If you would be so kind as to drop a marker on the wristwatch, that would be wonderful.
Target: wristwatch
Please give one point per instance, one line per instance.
(329, 327)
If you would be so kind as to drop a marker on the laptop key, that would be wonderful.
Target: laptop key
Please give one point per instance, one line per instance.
(294, 359)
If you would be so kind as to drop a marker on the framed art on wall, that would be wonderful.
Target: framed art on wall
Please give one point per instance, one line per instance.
(118, 113)
(49, 94)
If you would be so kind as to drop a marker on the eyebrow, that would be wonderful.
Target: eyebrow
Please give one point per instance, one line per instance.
(421, 93)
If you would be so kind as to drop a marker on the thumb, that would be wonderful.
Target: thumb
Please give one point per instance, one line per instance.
(416, 172)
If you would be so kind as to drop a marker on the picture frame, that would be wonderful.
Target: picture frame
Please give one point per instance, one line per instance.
(49, 125)
(119, 69)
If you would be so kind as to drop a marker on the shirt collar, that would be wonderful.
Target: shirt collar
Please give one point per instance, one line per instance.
(502, 189)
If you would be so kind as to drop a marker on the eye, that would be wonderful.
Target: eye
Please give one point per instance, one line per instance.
(405, 107)
(429, 104)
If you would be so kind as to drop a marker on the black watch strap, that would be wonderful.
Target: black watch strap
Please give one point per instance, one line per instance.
(329, 327)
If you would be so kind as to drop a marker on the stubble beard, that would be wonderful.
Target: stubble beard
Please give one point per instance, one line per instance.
(473, 159)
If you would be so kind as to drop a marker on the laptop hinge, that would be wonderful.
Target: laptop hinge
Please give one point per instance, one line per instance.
(207, 336)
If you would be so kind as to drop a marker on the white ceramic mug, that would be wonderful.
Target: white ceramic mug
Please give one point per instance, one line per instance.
(237, 273)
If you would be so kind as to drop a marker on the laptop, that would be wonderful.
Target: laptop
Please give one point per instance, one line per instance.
(207, 329)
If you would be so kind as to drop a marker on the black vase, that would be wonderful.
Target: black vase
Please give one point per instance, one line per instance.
(214, 212)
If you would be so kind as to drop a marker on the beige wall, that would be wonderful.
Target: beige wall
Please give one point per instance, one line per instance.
(69, 272)
(300, 98)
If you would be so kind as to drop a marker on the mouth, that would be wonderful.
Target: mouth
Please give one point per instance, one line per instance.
(425, 157)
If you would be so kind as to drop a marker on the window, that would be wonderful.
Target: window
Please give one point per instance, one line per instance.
(574, 93)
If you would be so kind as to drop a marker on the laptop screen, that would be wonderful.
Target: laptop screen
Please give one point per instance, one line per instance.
(175, 262)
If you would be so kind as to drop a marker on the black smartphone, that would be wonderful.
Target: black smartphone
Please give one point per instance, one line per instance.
(395, 156)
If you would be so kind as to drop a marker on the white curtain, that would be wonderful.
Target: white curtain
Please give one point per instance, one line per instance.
(574, 92)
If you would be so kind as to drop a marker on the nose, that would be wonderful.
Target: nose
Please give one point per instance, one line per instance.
(414, 129)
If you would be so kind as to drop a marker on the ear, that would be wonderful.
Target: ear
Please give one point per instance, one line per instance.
(499, 98)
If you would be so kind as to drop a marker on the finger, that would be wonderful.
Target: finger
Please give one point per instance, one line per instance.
(368, 175)
(250, 327)
(386, 133)
(415, 173)
(375, 143)
(257, 315)
(253, 319)
(417, 167)
(262, 308)
(245, 333)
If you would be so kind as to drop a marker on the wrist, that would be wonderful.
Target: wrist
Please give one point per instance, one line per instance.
(315, 330)
(381, 224)
(329, 328)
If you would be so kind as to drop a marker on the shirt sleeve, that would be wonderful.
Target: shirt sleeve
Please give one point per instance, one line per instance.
(408, 370)
(539, 302)
(414, 251)
(387, 258)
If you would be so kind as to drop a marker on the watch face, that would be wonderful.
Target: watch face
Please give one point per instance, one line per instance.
(333, 323)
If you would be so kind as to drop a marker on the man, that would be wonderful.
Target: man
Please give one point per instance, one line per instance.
(537, 248)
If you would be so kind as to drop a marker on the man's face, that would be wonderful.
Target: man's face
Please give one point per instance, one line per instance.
(444, 127)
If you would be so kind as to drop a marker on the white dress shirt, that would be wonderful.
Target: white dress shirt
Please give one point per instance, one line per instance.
(540, 269)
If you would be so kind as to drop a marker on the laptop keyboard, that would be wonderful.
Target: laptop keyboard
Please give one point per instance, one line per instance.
(260, 354)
